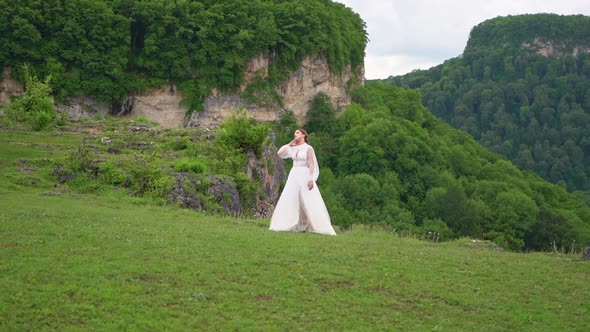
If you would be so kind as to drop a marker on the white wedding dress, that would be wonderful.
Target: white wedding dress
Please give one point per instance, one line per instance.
(300, 209)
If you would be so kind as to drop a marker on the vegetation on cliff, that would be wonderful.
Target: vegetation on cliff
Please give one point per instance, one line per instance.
(109, 48)
(522, 89)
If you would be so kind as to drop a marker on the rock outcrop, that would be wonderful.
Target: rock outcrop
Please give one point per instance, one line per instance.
(9, 86)
(268, 169)
(79, 108)
(312, 77)
(164, 104)
(554, 49)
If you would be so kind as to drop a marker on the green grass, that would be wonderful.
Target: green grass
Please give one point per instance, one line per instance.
(85, 263)
(106, 261)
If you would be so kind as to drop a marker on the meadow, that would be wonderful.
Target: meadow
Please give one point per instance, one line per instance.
(105, 261)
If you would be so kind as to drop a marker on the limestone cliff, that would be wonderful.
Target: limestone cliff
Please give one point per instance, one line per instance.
(312, 77)
(554, 49)
(8, 86)
(164, 104)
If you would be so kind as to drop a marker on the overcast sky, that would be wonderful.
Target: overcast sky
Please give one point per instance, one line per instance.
(418, 34)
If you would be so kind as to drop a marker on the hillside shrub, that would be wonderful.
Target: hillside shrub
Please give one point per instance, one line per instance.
(190, 165)
(242, 133)
(34, 107)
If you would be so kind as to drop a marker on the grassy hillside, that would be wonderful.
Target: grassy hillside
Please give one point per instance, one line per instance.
(80, 262)
(109, 261)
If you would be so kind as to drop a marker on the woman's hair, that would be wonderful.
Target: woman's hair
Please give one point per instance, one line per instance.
(305, 134)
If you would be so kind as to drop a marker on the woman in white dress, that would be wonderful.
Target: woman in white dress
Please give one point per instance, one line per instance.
(301, 207)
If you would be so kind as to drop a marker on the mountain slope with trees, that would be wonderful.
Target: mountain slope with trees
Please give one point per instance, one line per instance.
(109, 48)
(387, 160)
(522, 89)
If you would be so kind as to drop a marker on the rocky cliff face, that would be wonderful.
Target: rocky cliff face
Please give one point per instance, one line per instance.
(164, 104)
(8, 86)
(312, 77)
(554, 49)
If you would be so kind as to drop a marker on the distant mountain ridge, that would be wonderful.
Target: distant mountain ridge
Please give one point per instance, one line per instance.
(566, 31)
(521, 88)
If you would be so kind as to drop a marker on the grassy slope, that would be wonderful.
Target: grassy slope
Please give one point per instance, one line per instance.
(80, 262)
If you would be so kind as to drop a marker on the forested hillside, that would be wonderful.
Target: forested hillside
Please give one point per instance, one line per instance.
(109, 48)
(387, 160)
(522, 89)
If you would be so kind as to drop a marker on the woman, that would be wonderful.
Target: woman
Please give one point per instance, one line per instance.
(301, 207)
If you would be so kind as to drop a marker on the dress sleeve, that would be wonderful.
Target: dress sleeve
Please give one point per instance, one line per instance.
(285, 151)
(312, 164)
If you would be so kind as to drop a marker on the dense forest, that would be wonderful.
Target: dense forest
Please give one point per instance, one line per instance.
(109, 48)
(522, 89)
(387, 160)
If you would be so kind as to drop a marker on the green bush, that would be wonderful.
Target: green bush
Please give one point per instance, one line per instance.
(178, 144)
(242, 133)
(112, 173)
(188, 165)
(34, 107)
(247, 188)
(82, 160)
(148, 178)
(322, 115)
(436, 230)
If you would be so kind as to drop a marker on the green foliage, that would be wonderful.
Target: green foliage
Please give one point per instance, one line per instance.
(148, 178)
(190, 165)
(34, 107)
(109, 48)
(115, 161)
(284, 128)
(82, 159)
(321, 115)
(517, 100)
(396, 165)
(243, 133)
(436, 230)
(112, 172)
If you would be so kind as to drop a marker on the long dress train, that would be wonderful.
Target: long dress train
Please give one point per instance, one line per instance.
(300, 209)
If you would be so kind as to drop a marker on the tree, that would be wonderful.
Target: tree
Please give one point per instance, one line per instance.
(321, 115)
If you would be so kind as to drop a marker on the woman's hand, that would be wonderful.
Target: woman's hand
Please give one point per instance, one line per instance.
(310, 185)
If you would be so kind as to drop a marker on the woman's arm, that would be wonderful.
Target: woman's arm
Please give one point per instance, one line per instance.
(286, 151)
(311, 164)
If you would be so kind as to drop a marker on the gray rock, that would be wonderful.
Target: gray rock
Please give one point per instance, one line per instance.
(225, 192)
(184, 191)
(63, 174)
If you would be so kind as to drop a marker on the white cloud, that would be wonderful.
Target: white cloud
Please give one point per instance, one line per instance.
(406, 35)
(382, 66)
